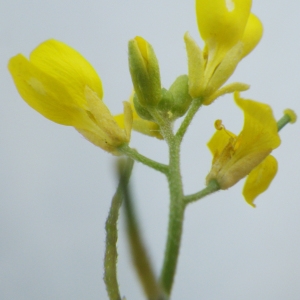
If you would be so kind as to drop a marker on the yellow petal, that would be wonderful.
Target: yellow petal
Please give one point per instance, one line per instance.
(46, 95)
(243, 153)
(259, 179)
(222, 22)
(67, 66)
(252, 34)
(219, 141)
(260, 132)
(224, 70)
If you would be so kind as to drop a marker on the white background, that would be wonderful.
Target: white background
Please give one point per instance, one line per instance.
(56, 188)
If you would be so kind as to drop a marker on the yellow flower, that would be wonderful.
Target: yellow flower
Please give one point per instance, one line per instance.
(60, 84)
(230, 32)
(140, 125)
(234, 157)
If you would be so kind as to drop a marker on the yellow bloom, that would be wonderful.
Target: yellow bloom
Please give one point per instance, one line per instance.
(60, 84)
(230, 32)
(234, 157)
(141, 125)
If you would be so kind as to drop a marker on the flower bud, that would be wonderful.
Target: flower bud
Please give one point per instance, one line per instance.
(175, 102)
(144, 70)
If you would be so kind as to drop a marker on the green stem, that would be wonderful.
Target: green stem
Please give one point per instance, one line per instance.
(197, 102)
(176, 215)
(111, 253)
(176, 212)
(132, 153)
(212, 187)
(138, 250)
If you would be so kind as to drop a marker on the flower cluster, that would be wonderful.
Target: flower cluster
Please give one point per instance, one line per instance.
(61, 85)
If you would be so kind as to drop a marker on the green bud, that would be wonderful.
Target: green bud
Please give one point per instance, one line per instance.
(144, 70)
(180, 92)
(176, 101)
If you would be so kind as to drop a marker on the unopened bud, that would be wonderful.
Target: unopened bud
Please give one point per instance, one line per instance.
(144, 70)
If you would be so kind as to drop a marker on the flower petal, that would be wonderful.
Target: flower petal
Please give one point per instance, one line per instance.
(67, 66)
(45, 94)
(219, 141)
(259, 179)
(252, 34)
(260, 132)
(222, 22)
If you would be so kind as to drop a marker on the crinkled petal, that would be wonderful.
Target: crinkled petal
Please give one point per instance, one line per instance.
(260, 132)
(46, 95)
(259, 179)
(219, 141)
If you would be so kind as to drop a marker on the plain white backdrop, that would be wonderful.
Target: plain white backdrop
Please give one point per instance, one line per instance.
(56, 188)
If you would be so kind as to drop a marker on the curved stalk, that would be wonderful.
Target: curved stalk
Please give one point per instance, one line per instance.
(132, 153)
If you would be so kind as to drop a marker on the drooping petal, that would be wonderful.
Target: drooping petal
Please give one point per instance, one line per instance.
(252, 34)
(67, 66)
(45, 94)
(259, 179)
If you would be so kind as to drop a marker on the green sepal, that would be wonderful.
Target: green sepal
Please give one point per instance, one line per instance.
(180, 92)
(141, 110)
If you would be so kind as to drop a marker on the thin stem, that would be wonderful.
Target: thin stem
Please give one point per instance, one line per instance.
(176, 215)
(212, 187)
(132, 153)
(111, 253)
(197, 102)
(138, 250)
